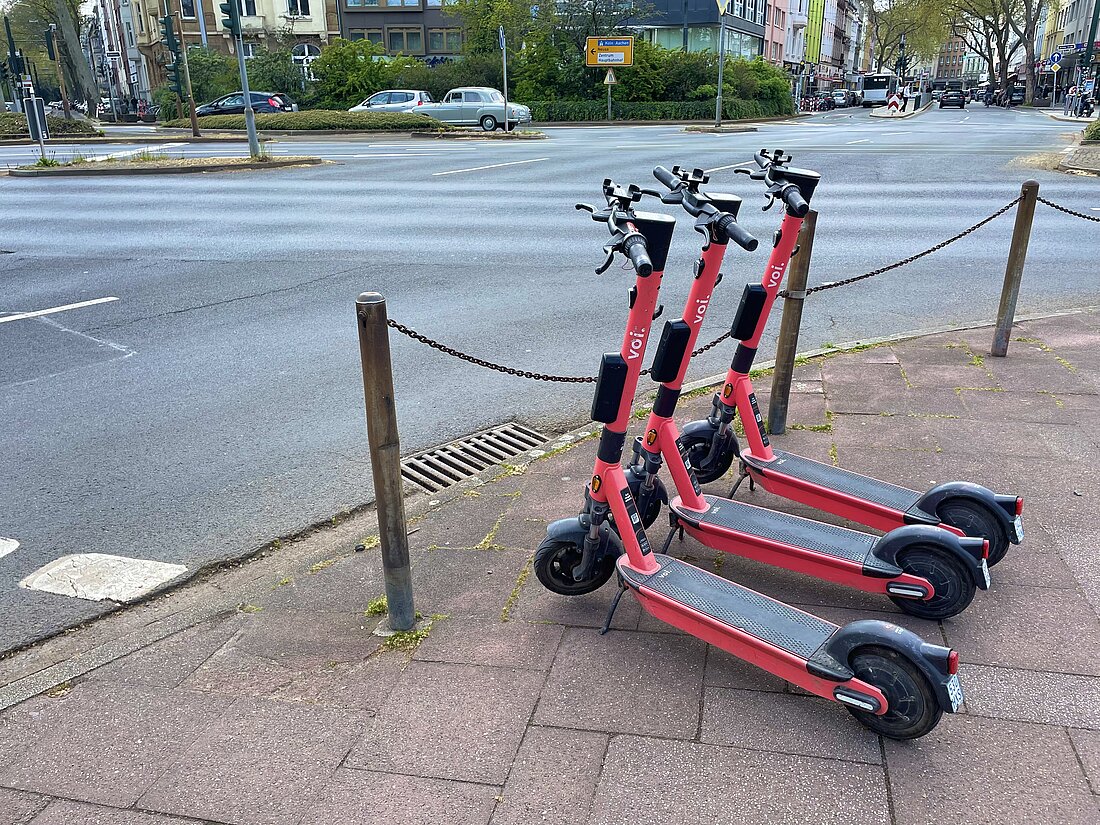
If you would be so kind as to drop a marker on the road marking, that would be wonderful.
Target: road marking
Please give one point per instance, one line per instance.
(490, 166)
(731, 166)
(39, 312)
(98, 577)
(7, 546)
(153, 149)
(861, 140)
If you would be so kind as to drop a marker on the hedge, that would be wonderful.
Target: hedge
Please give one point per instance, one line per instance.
(579, 110)
(15, 125)
(320, 119)
(1092, 131)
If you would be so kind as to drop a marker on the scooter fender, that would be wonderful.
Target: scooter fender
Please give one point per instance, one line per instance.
(703, 429)
(930, 659)
(575, 530)
(969, 551)
(1003, 508)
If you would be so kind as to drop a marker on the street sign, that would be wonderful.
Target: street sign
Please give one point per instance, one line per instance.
(609, 79)
(1056, 57)
(113, 54)
(500, 34)
(605, 51)
(723, 6)
(1055, 67)
(893, 104)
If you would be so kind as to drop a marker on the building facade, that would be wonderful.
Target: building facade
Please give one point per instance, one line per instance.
(949, 63)
(794, 51)
(415, 27)
(675, 24)
(775, 31)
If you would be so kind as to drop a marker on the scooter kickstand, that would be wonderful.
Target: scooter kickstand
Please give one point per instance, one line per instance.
(614, 604)
(668, 538)
(740, 478)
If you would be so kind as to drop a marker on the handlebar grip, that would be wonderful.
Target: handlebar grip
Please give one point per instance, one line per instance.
(665, 177)
(796, 204)
(634, 247)
(761, 161)
(737, 233)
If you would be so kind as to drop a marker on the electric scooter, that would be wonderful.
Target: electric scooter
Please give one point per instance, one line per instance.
(927, 572)
(891, 680)
(711, 445)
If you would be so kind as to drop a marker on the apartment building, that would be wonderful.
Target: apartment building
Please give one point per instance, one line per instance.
(415, 27)
(949, 63)
(675, 24)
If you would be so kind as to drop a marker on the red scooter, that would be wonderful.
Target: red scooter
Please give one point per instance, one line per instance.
(711, 445)
(889, 678)
(926, 571)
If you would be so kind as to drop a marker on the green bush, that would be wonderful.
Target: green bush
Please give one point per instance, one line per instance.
(1092, 131)
(14, 125)
(550, 111)
(321, 119)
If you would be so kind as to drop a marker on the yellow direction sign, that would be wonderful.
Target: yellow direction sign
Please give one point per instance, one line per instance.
(609, 51)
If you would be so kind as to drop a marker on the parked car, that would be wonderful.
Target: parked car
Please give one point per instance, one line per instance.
(393, 100)
(1016, 96)
(953, 97)
(476, 106)
(233, 104)
(841, 98)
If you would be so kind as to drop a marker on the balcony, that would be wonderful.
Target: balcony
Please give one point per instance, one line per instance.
(798, 20)
(252, 23)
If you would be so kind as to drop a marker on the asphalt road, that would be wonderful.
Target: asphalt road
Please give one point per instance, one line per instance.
(216, 404)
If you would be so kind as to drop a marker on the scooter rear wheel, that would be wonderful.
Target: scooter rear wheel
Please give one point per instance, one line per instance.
(976, 521)
(697, 449)
(912, 707)
(554, 563)
(953, 585)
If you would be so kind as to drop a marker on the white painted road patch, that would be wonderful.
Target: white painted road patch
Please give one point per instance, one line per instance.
(7, 546)
(98, 577)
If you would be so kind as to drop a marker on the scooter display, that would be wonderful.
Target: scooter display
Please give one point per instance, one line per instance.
(890, 679)
(927, 572)
(711, 445)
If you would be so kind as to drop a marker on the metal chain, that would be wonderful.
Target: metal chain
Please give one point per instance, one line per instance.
(1053, 205)
(536, 376)
(786, 293)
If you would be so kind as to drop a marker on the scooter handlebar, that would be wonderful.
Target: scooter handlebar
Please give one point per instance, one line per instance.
(635, 249)
(666, 177)
(737, 233)
(796, 204)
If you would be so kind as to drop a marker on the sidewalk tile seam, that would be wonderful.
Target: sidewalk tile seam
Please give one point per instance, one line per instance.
(890, 809)
(419, 776)
(702, 696)
(1081, 762)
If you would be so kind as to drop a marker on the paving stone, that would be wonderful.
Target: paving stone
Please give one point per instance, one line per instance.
(300, 639)
(63, 812)
(726, 671)
(451, 722)
(1087, 745)
(553, 779)
(465, 582)
(625, 682)
(513, 644)
(234, 673)
(537, 604)
(18, 808)
(976, 770)
(894, 432)
(1032, 696)
(122, 736)
(1033, 565)
(256, 764)
(1032, 631)
(863, 397)
(361, 686)
(662, 781)
(168, 662)
(1077, 547)
(346, 587)
(1009, 407)
(21, 727)
(355, 797)
(786, 724)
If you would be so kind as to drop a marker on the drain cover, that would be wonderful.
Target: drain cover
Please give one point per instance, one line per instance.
(443, 466)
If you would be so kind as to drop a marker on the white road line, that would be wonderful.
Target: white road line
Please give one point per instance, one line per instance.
(7, 546)
(157, 149)
(490, 166)
(22, 315)
(861, 140)
(731, 166)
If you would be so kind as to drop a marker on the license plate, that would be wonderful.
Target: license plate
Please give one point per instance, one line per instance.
(985, 572)
(955, 692)
(1018, 525)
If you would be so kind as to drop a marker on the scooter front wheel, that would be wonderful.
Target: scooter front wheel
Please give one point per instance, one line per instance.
(697, 449)
(554, 563)
(953, 585)
(976, 521)
(912, 708)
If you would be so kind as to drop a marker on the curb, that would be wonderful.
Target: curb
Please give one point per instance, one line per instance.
(604, 123)
(149, 138)
(718, 130)
(478, 136)
(120, 169)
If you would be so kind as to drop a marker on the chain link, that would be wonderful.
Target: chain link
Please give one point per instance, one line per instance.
(1053, 205)
(786, 293)
(535, 376)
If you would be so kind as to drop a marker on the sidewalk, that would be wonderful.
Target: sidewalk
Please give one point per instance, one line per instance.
(286, 709)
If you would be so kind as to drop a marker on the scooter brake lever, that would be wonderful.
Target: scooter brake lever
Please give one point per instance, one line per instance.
(770, 203)
(610, 250)
(585, 207)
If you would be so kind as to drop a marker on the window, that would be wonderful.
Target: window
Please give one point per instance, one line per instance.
(129, 34)
(247, 8)
(472, 97)
(248, 50)
(140, 19)
(298, 8)
(188, 7)
(407, 41)
(373, 35)
(444, 41)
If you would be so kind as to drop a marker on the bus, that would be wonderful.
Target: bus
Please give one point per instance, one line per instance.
(877, 88)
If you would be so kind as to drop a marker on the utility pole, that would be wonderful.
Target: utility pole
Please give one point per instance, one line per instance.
(232, 23)
(723, 7)
(187, 75)
(54, 53)
(15, 65)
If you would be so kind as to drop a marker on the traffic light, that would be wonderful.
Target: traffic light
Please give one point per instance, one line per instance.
(168, 33)
(49, 44)
(174, 73)
(231, 21)
(5, 73)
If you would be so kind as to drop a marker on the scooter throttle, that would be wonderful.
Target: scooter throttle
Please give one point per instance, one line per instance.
(796, 204)
(666, 177)
(634, 248)
(739, 235)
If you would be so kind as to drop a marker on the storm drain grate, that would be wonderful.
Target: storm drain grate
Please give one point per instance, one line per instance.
(443, 466)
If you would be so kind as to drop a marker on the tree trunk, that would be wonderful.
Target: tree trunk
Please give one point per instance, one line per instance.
(84, 82)
(1029, 58)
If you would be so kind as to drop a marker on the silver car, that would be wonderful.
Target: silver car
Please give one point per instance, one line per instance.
(477, 106)
(393, 100)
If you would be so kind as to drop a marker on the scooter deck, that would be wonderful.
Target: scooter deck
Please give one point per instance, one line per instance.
(800, 634)
(752, 523)
(835, 478)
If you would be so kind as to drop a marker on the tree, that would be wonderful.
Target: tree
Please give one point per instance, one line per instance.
(1024, 18)
(918, 21)
(984, 27)
(274, 70)
(213, 74)
(482, 19)
(347, 71)
(577, 20)
(29, 21)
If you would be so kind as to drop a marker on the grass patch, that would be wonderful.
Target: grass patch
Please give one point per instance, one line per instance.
(407, 641)
(1092, 131)
(513, 597)
(245, 607)
(321, 565)
(46, 163)
(489, 542)
(322, 120)
(376, 607)
(1065, 363)
(1058, 402)
(833, 455)
(283, 582)
(370, 542)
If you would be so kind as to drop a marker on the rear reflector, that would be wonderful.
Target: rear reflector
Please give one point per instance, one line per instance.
(985, 549)
(1019, 506)
(953, 662)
